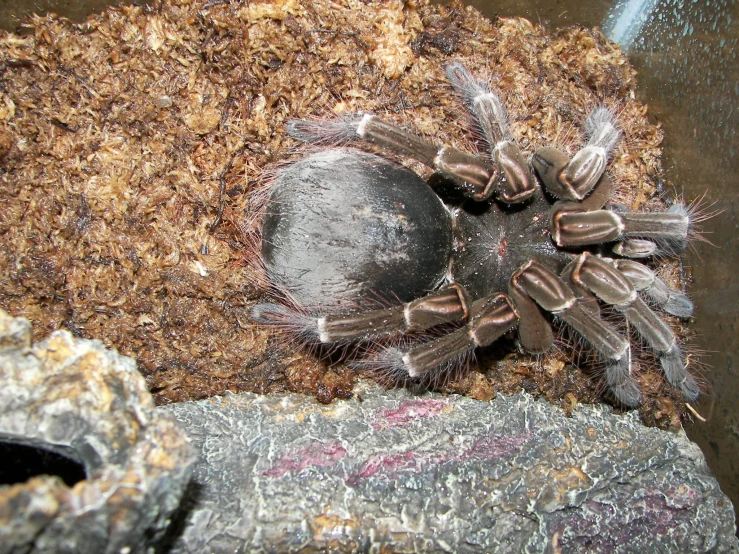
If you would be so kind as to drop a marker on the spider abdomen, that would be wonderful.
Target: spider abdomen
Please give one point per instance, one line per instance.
(343, 226)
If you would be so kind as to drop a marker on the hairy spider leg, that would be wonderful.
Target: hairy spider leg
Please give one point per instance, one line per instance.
(640, 234)
(573, 178)
(572, 226)
(658, 292)
(475, 177)
(443, 306)
(516, 182)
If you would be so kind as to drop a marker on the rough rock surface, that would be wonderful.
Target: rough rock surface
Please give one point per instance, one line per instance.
(77, 399)
(389, 471)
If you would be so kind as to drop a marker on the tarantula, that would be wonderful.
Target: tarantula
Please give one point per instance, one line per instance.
(343, 227)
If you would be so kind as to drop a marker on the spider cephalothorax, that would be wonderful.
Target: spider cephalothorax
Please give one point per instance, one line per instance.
(343, 227)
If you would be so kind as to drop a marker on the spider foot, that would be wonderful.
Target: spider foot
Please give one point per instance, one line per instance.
(621, 383)
(677, 375)
(288, 319)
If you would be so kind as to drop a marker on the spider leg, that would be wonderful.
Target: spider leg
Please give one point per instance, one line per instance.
(490, 318)
(658, 292)
(635, 248)
(487, 320)
(552, 294)
(614, 288)
(516, 181)
(573, 179)
(475, 177)
(444, 306)
(631, 247)
(570, 225)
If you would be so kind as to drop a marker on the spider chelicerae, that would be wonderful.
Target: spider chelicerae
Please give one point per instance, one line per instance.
(343, 228)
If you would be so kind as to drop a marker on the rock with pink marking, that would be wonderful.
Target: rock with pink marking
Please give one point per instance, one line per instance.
(409, 473)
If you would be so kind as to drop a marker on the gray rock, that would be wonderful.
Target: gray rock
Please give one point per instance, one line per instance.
(403, 473)
(75, 398)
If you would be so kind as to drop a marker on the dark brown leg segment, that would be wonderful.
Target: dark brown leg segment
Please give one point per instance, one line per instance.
(658, 292)
(490, 318)
(553, 295)
(475, 177)
(570, 227)
(444, 306)
(516, 181)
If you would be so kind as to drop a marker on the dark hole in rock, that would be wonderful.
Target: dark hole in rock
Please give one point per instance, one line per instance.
(20, 462)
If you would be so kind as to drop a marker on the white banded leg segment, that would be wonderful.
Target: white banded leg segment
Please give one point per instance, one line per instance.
(601, 194)
(484, 104)
(490, 318)
(532, 286)
(475, 177)
(638, 274)
(605, 282)
(325, 131)
(662, 340)
(658, 292)
(614, 288)
(544, 287)
(385, 135)
(601, 278)
(621, 383)
(573, 179)
(444, 306)
(569, 179)
(585, 169)
(572, 227)
(600, 335)
(553, 295)
(593, 275)
(516, 182)
(588, 164)
(635, 248)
